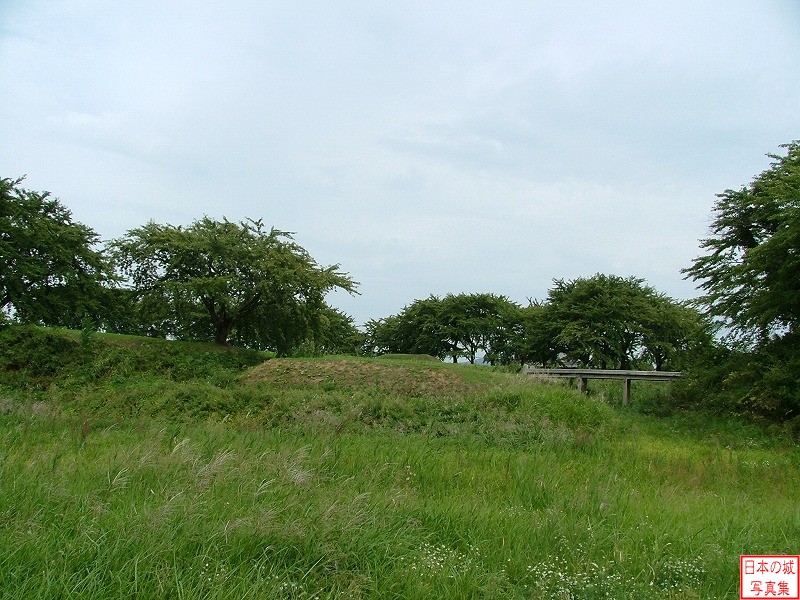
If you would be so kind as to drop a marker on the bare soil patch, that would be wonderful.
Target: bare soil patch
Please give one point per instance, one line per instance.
(403, 380)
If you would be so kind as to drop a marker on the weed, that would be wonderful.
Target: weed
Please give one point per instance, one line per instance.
(170, 476)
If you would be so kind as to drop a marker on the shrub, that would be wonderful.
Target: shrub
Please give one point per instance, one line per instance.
(33, 355)
(761, 384)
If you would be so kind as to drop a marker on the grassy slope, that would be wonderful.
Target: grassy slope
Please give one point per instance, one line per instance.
(139, 470)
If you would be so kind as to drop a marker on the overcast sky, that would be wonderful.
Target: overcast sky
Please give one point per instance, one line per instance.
(428, 147)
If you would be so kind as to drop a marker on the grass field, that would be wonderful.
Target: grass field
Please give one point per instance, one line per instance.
(130, 472)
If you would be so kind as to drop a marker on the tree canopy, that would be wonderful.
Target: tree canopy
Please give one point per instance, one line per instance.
(337, 334)
(603, 321)
(750, 276)
(50, 273)
(417, 329)
(474, 322)
(749, 272)
(531, 337)
(607, 321)
(458, 325)
(228, 281)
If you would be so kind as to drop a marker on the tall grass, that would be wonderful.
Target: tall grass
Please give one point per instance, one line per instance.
(333, 484)
(151, 508)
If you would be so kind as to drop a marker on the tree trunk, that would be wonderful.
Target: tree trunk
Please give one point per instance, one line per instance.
(223, 331)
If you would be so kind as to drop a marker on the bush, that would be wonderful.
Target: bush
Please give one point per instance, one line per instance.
(32, 355)
(762, 384)
(54, 353)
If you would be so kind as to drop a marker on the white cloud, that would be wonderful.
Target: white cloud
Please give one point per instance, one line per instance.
(426, 146)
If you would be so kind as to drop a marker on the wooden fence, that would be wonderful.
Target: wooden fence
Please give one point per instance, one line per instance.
(583, 374)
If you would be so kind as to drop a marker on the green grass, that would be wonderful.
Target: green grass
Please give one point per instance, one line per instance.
(359, 478)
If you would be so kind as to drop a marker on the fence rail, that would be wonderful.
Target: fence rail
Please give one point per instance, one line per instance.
(582, 375)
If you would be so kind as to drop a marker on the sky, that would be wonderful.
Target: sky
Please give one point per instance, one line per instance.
(426, 147)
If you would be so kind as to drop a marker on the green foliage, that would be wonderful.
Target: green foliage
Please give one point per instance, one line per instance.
(749, 271)
(415, 330)
(72, 362)
(532, 337)
(36, 356)
(458, 325)
(50, 273)
(603, 321)
(221, 280)
(607, 321)
(473, 322)
(749, 276)
(337, 334)
(512, 491)
(759, 383)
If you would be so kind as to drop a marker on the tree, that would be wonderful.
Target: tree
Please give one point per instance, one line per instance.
(337, 334)
(674, 334)
(473, 322)
(380, 336)
(607, 321)
(532, 337)
(749, 276)
(222, 280)
(595, 324)
(417, 329)
(49, 274)
(458, 325)
(750, 270)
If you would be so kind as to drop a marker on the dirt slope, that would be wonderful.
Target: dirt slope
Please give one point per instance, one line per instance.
(366, 375)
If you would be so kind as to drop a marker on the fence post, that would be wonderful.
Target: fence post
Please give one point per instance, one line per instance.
(626, 392)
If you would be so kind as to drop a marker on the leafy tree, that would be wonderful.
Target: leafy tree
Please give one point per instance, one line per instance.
(458, 325)
(532, 337)
(226, 281)
(473, 322)
(674, 335)
(595, 323)
(380, 336)
(749, 276)
(750, 270)
(337, 334)
(608, 321)
(760, 383)
(50, 273)
(417, 329)
(129, 312)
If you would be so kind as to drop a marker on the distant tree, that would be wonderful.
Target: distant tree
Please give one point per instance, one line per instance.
(749, 272)
(380, 336)
(470, 323)
(222, 280)
(532, 338)
(337, 333)
(607, 321)
(128, 313)
(595, 324)
(674, 334)
(458, 325)
(417, 329)
(50, 273)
